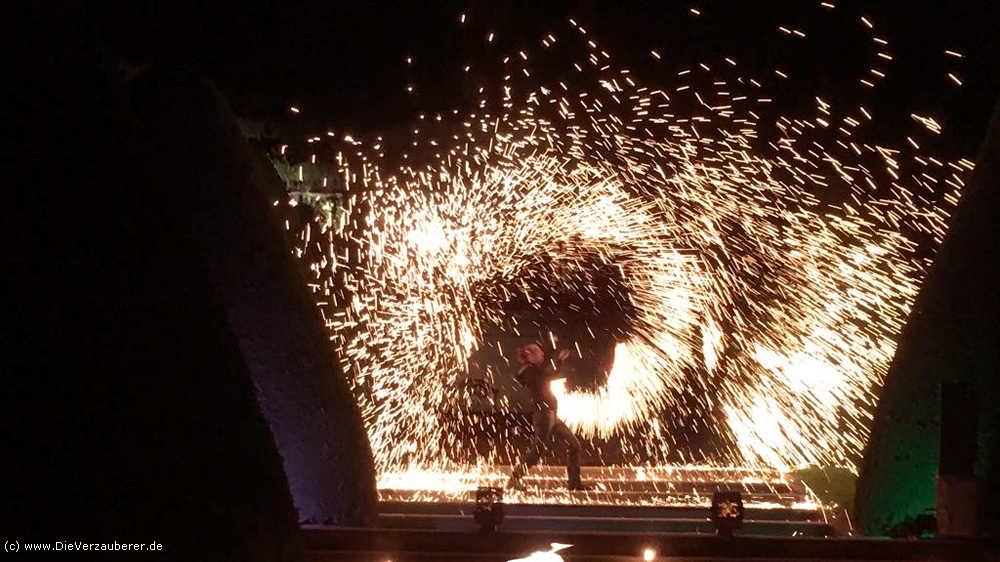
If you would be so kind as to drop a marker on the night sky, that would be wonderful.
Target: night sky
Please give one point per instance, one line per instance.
(344, 62)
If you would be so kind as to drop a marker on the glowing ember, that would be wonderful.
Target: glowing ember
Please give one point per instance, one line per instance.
(666, 486)
(545, 555)
(765, 274)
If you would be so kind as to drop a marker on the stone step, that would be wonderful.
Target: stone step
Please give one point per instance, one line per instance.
(563, 496)
(619, 511)
(666, 479)
(620, 500)
(652, 486)
(537, 523)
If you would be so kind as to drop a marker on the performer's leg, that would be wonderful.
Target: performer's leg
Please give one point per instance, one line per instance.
(542, 422)
(574, 481)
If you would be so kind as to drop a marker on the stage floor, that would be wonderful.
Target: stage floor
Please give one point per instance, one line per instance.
(620, 499)
(622, 486)
(330, 544)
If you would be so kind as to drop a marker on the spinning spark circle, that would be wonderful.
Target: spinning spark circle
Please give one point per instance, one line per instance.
(769, 304)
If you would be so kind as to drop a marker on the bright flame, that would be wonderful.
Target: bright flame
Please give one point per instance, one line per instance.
(545, 555)
(632, 386)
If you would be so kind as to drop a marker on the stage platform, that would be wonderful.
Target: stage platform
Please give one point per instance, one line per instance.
(428, 516)
(329, 544)
(621, 499)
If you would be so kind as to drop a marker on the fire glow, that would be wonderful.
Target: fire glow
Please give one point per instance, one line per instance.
(785, 304)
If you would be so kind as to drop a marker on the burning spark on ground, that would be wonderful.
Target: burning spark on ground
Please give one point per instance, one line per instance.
(550, 555)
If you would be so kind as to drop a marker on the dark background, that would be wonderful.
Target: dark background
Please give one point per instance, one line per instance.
(344, 63)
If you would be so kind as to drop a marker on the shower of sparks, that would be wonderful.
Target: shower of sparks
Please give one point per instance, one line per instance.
(767, 275)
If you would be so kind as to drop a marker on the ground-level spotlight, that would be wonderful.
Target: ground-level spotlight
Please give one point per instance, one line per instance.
(727, 512)
(648, 554)
(489, 508)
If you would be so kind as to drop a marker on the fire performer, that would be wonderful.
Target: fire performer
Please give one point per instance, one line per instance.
(537, 375)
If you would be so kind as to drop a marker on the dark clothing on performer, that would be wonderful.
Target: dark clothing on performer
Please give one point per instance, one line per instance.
(538, 380)
(547, 426)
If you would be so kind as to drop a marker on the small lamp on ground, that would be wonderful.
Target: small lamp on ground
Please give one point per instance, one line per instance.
(727, 512)
(489, 508)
